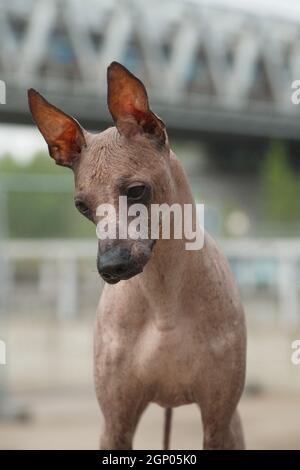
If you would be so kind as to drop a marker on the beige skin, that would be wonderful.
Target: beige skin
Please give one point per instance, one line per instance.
(173, 333)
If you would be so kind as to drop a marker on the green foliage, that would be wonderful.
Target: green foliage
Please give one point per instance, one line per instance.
(280, 195)
(39, 200)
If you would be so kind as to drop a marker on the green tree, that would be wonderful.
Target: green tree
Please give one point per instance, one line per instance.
(39, 200)
(280, 195)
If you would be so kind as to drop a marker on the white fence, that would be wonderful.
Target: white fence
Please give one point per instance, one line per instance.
(60, 276)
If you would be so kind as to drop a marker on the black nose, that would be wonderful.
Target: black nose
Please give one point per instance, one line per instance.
(114, 264)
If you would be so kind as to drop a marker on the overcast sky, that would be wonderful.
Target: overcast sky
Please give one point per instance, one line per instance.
(23, 141)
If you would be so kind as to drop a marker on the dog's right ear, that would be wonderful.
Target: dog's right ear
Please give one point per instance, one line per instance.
(62, 133)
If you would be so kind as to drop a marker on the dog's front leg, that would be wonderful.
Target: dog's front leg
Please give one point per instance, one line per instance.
(121, 412)
(225, 437)
(120, 391)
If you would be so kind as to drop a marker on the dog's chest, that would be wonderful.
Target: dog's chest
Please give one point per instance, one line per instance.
(165, 363)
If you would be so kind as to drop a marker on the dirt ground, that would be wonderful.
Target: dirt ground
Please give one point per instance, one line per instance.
(68, 420)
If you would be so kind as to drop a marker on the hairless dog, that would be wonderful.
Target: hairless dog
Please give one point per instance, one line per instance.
(170, 326)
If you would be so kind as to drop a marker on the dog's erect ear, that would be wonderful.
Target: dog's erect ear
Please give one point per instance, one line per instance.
(128, 104)
(62, 133)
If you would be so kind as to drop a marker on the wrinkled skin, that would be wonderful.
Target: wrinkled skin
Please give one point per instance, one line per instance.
(173, 333)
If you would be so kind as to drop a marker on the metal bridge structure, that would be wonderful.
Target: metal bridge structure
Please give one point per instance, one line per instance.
(207, 69)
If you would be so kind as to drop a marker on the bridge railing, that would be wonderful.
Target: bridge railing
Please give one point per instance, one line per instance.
(59, 278)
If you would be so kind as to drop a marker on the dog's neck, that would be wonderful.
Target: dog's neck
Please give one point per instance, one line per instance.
(164, 278)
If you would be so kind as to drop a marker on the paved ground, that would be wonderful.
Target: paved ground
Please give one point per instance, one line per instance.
(68, 420)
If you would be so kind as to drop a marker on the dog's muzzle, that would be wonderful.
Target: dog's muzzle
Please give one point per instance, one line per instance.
(117, 264)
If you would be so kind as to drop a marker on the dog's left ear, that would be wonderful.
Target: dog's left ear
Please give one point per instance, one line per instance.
(62, 133)
(128, 104)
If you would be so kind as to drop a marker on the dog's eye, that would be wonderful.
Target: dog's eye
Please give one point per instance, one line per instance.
(136, 192)
(83, 208)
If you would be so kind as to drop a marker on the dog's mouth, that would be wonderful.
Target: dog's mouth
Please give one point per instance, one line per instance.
(114, 279)
(125, 266)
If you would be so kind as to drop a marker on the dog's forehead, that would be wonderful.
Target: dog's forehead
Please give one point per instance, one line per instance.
(109, 155)
(99, 154)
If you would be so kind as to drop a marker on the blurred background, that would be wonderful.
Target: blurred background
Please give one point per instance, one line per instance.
(220, 74)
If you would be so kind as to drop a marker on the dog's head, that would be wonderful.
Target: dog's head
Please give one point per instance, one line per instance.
(131, 159)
